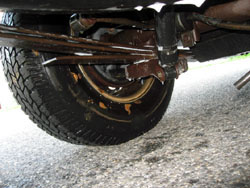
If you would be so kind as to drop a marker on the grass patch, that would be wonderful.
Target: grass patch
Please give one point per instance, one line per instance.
(228, 60)
(239, 57)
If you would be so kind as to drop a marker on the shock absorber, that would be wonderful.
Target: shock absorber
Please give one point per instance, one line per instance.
(167, 41)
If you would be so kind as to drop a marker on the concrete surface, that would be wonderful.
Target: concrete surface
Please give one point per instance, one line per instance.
(203, 141)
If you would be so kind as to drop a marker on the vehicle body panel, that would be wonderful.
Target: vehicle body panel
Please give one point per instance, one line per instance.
(76, 5)
(83, 5)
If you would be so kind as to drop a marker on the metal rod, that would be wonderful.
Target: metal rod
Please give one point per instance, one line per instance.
(243, 81)
(236, 11)
(220, 23)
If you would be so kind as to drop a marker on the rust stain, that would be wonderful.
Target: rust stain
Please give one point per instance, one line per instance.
(138, 102)
(75, 76)
(101, 90)
(127, 108)
(91, 101)
(102, 105)
(36, 53)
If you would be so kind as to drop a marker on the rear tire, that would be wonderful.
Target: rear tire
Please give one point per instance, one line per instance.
(64, 104)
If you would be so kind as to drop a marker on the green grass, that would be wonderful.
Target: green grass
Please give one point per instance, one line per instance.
(228, 60)
(239, 57)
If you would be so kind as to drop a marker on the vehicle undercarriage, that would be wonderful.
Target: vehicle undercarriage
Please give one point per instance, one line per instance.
(102, 73)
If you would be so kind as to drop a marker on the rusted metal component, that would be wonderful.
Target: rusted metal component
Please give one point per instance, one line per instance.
(190, 38)
(236, 11)
(218, 23)
(29, 39)
(89, 22)
(243, 81)
(145, 69)
(168, 66)
(181, 67)
(152, 68)
(174, 72)
(102, 105)
(78, 25)
(187, 39)
(127, 108)
(97, 59)
(133, 37)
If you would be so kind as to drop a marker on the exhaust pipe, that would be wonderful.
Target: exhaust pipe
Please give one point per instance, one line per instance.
(243, 81)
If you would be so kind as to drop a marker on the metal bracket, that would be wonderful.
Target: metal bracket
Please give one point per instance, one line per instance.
(145, 69)
(190, 38)
(152, 67)
(78, 25)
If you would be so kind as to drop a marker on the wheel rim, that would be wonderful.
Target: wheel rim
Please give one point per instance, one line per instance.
(132, 97)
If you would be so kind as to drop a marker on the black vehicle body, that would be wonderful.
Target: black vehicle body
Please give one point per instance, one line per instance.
(72, 6)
